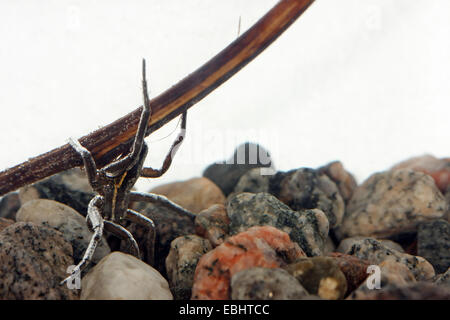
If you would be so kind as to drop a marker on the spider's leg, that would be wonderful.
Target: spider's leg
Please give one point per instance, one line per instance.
(160, 200)
(123, 234)
(88, 161)
(144, 221)
(155, 173)
(97, 225)
(118, 167)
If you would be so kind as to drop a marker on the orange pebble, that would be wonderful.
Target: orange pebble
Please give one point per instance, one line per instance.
(260, 246)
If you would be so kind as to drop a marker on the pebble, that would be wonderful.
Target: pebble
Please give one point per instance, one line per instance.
(259, 246)
(391, 203)
(443, 279)
(9, 204)
(375, 252)
(253, 181)
(70, 187)
(213, 224)
(266, 284)
(353, 268)
(433, 243)
(321, 276)
(226, 174)
(347, 243)
(195, 194)
(308, 228)
(70, 223)
(412, 291)
(169, 225)
(120, 276)
(438, 169)
(343, 179)
(306, 188)
(5, 222)
(34, 260)
(185, 252)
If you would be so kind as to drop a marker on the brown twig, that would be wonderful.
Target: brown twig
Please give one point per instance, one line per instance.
(115, 138)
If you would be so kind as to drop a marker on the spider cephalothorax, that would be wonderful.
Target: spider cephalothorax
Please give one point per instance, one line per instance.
(113, 184)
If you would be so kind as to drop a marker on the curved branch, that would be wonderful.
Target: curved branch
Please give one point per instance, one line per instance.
(115, 138)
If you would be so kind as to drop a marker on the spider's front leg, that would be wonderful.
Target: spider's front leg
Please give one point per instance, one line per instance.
(118, 167)
(96, 221)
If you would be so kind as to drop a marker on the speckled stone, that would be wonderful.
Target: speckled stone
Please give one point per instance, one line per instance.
(169, 225)
(375, 252)
(5, 222)
(181, 262)
(347, 243)
(353, 268)
(306, 188)
(9, 204)
(34, 260)
(264, 246)
(213, 224)
(438, 169)
(253, 181)
(343, 179)
(443, 279)
(266, 284)
(226, 174)
(195, 194)
(412, 291)
(70, 187)
(391, 203)
(70, 223)
(120, 276)
(433, 243)
(309, 228)
(395, 272)
(321, 276)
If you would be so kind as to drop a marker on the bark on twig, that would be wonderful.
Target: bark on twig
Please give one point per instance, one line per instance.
(115, 138)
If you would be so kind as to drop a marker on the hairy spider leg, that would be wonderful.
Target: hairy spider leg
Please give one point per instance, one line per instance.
(123, 234)
(97, 225)
(142, 220)
(155, 173)
(116, 168)
(89, 163)
(160, 200)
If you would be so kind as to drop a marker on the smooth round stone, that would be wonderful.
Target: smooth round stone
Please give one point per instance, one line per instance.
(375, 252)
(69, 222)
(213, 224)
(195, 194)
(306, 188)
(185, 252)
(120, 276)
(391, 203)
(33, 261)
(266, 284)
(321, 276)
(343, 179)
(309, 228)
(260, 246)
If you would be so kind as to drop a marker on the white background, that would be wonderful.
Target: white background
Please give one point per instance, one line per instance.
(362, 81)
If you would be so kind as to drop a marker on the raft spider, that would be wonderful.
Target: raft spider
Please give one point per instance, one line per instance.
(113, 184)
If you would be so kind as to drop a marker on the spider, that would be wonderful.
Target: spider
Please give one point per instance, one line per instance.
(113, 184)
